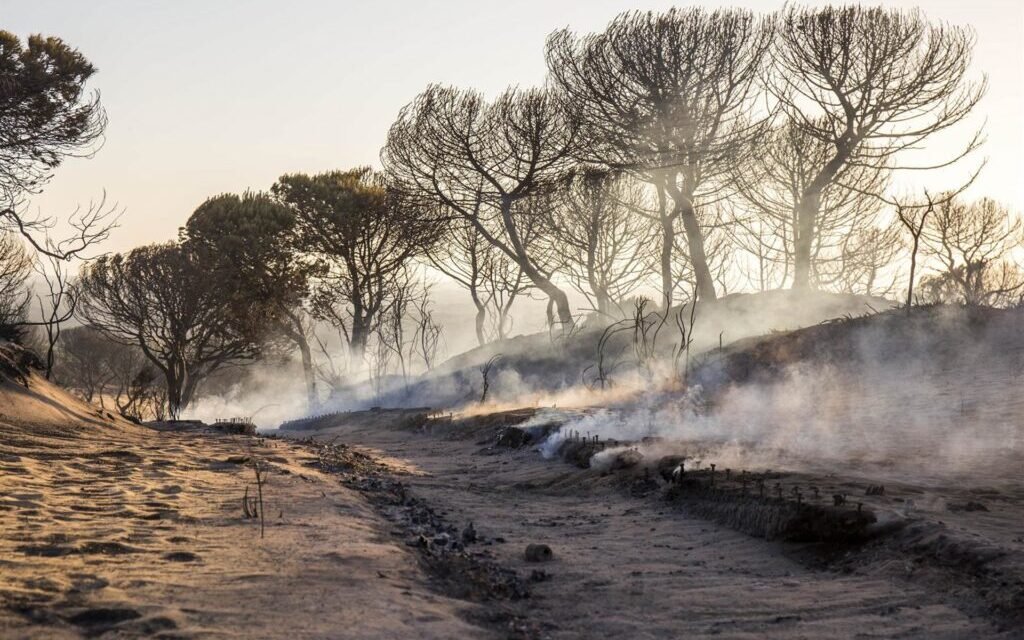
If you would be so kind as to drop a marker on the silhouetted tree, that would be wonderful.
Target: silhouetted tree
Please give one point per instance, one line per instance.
(487, 162)
(972, 241)
(365, 235)
(426, 338)
(670, 97)
(56, 305)
(252, 240)
(491, 278)
(770, 184)
(601, 243)
(169, 303)
(46, 115)
(866, 253)
(913, 216)
(867, 84)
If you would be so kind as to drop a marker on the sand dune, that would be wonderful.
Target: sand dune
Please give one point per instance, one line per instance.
(116, 529)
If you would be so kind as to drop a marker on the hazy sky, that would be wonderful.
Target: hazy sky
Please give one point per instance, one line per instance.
(212, 96)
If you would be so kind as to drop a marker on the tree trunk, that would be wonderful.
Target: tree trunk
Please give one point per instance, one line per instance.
(556, 295)
(312, 397)
(913, 267)
(667, 282)
(807, 214)
(481, 317)
(695, 245)
(667, 223)
(685, 210)
(297, 333)
(601, 297)
(188, 390)
(603, 300)
(174, 393)
(360, 336)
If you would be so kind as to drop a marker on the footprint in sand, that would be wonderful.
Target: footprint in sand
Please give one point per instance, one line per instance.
(107, 548)
(45, 550)
(181, 556)
(84, 582)
(102, 618)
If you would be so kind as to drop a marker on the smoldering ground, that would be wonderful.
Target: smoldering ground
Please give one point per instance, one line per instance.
(931, 394)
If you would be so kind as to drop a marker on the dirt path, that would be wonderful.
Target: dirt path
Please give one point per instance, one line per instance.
(639, 568)
(127, 532)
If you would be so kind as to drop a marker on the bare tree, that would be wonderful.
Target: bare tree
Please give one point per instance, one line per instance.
(602, 245)
(764, 245)
(914, 216)
(484, 161)
(408, 332)
(866, 254)
(720, 260)
(379, 356)
(333, 368)
(972, 242)
(56, 305)
(770, 185)
(868, 84)
(485, 375)
(504, 283)
(493, 280)
(391, 334)
(15, 296)
(426, 338)
(670, 97)
(58, 301)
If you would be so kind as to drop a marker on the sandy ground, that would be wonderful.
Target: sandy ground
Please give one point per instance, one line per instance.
(115, 530)
(643, 568)
(111, 529)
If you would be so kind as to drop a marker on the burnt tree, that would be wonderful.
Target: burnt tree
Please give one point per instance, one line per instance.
(670, 97)
(868, 84)
(484, 162)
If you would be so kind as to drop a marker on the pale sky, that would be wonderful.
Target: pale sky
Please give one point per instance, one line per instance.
(211, 96)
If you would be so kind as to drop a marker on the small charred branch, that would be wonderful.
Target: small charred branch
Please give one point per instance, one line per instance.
(485, 373)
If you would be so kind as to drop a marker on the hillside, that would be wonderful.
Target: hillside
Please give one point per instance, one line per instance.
(31, 404)
(532, 367)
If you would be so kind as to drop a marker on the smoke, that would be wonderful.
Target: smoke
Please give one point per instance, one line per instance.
(932, 395)
(269, 395)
